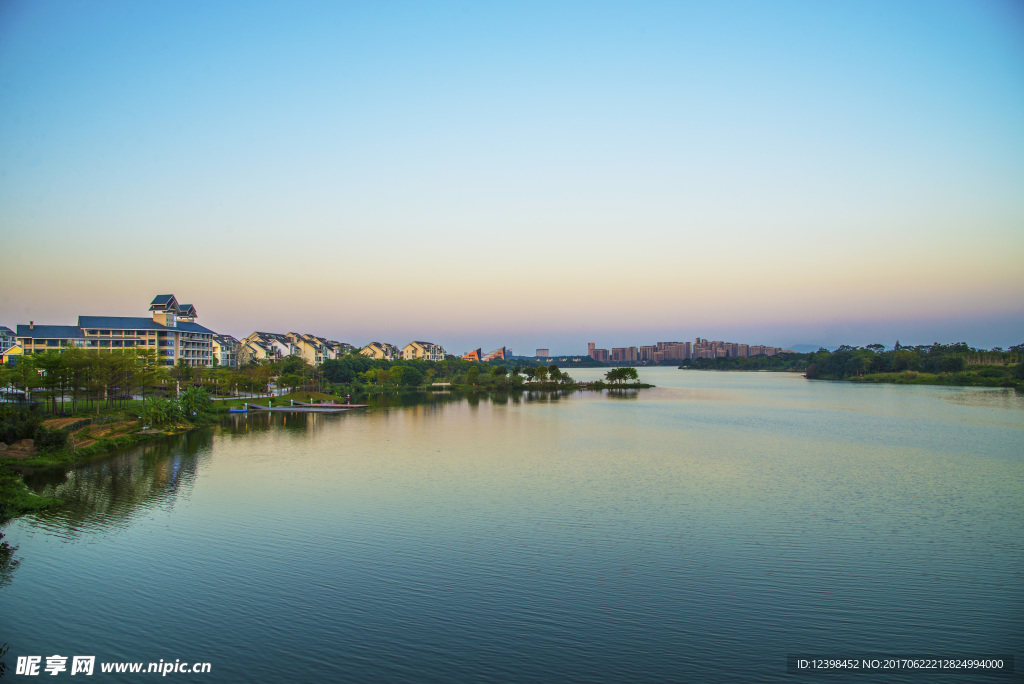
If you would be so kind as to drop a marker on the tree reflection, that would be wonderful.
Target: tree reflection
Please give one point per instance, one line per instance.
(112, 491)
(8, 563)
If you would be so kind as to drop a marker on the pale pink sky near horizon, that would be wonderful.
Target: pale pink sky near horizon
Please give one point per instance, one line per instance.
(527, 175)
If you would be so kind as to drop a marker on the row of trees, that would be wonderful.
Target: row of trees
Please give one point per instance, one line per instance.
(778, 362)
(848, 361)
(356, 371)
(74, 379)
(74, 376)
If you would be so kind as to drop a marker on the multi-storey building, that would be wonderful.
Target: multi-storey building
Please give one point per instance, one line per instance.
(381, 351)
(267, 346)
(499, 354)
(417, 349)
(330, 349)
(310, 349)
(172, 332)
(10, 355)
(260, 347)
(700, 348)
(624, 355)
(7, 339)
(475, 355)
(225, 351)
(674, 350)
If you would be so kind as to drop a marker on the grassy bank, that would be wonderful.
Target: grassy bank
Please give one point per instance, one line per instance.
(83, 438)
(981, 377)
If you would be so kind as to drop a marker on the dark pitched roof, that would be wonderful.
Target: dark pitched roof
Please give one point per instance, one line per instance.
(135, 323)
(51, 332)
(161, 302)
(187, 310)
(191, 327)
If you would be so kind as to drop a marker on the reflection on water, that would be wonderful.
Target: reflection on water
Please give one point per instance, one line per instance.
(8, 563)
(643, 536)
(112, 491)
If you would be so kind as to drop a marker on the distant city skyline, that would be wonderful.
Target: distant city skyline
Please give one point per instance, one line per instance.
(527, 175)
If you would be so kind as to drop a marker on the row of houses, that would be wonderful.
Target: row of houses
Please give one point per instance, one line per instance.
(172, 332)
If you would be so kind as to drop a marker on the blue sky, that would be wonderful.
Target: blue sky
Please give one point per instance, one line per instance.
(528, 174)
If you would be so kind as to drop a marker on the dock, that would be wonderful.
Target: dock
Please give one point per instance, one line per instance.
(341, 406)
(312, 408)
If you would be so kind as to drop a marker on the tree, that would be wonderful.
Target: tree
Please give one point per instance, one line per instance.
(52, 365)
(473, 375)
(192, 401)
(620, 375)
(413, 375)
(150, 373)
(290, 381)
(293, 364)
(182, 371)
(156, 412)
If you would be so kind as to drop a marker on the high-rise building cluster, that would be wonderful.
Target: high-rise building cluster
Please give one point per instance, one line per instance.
(677, 351)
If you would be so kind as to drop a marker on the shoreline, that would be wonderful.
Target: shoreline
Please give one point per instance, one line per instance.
(16, 499)
(959, 379)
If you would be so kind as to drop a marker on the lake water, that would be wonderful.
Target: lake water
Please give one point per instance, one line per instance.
(700, 531)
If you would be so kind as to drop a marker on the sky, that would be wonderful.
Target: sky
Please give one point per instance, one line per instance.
(528, 174)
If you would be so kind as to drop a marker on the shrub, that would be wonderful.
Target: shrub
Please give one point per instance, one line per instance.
(50, 440)
(19, 422)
